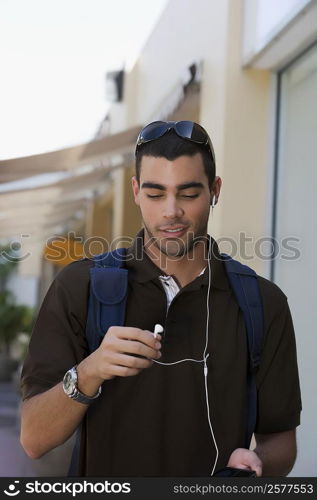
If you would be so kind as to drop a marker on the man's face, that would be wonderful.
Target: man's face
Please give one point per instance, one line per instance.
(174, 199)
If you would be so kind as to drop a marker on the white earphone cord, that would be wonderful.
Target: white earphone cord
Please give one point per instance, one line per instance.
(204, 360)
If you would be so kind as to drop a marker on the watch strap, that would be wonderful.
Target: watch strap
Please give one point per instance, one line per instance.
(76, 394)
(83, 398)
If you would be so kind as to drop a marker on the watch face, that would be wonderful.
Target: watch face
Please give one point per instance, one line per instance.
(68, 383)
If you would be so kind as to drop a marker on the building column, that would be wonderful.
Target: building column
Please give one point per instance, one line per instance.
(126, 216)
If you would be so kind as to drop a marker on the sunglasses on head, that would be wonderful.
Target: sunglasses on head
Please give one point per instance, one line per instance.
(185, 129)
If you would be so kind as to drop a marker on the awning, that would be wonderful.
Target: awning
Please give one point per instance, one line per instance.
(79, 174)
(68, 159)
(41, 209)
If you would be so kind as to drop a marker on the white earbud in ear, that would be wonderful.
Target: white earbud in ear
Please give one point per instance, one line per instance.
(213, 203)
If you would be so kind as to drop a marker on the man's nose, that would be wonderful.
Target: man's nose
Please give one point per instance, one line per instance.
(172, 208)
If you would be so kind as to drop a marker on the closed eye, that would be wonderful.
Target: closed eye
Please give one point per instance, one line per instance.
(155, 196)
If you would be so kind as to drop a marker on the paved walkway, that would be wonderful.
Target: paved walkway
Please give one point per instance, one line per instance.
(13, 460)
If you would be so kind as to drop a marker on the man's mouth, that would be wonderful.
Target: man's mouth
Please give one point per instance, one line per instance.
(175, 231)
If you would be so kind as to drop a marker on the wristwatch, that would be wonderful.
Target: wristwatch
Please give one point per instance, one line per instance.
(70, 387)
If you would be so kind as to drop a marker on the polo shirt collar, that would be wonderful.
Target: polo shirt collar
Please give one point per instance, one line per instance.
(142, 268)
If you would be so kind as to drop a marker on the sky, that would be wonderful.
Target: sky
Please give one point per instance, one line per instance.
(54, 56)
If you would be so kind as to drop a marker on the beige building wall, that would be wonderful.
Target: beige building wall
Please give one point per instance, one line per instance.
(241, 120)
(233, 107)
(126, 215)
(99, 224)
(187, 32)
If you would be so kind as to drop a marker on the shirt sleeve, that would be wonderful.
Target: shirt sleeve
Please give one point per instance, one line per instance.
(58, 339)
(279, 399)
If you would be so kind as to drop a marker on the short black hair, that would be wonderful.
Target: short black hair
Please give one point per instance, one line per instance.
(171, 146)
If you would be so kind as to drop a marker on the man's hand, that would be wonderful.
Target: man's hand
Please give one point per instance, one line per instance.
(274, 455)
(123, 352)
(49, 418)
(241, 458)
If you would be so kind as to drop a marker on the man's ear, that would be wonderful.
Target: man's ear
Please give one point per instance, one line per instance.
(136, 190)
(215, 190)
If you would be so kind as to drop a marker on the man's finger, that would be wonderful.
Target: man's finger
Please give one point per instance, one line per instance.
(138, 348)
(130, 333)
(132, 361)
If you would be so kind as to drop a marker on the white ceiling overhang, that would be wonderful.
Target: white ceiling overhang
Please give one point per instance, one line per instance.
(286, 41)
(72, 177)
(68, 159)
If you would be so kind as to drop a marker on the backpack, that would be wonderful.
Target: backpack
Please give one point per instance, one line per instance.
(107, 303)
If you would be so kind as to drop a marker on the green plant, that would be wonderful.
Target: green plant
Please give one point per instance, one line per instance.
(15, 318)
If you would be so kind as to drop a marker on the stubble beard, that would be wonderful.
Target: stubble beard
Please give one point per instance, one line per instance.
(177, 248)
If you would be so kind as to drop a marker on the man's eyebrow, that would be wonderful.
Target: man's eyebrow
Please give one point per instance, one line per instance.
(187, 185)
(153, 185)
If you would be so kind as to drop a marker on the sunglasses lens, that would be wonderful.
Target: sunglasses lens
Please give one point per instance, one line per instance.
(191, 131)
(184, 128)
(199, 134)
(153, 131)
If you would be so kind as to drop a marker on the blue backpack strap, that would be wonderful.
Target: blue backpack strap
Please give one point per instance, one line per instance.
(108, 295)
(106, 307)
(244, 283)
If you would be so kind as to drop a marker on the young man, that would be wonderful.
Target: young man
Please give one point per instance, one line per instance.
(174, 405)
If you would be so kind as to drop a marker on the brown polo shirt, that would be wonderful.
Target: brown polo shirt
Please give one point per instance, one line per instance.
(155, 423)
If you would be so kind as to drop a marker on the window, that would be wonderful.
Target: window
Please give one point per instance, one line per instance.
(295, 216)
